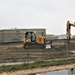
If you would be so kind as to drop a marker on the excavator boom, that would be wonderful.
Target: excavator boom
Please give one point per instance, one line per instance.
(68, 26)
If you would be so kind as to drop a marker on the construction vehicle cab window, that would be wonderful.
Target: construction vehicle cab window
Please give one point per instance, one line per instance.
(31, 41)
(31, 35)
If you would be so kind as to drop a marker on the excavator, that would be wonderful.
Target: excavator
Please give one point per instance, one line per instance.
(31, 41)
(68, 26)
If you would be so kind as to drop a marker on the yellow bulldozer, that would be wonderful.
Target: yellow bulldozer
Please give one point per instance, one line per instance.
(31, 41)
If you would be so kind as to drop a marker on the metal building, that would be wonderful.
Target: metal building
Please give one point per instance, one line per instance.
(14, 35)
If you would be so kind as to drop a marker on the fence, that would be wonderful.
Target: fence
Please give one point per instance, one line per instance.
(14, 52)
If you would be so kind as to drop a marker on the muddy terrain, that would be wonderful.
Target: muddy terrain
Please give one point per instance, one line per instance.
(14, 52)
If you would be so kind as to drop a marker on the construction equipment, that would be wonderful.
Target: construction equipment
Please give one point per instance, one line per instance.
(31, 41)
(68, 26)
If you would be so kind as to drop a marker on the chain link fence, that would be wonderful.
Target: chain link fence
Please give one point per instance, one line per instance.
(14, 52)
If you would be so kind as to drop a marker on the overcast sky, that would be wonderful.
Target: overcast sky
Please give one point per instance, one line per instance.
(49, 14)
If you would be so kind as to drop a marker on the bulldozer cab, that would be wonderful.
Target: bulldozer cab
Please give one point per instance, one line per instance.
(31, 36)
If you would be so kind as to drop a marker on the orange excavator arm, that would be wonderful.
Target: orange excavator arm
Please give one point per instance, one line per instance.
(68, 26)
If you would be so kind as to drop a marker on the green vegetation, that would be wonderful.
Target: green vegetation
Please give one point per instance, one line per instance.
(38, 64)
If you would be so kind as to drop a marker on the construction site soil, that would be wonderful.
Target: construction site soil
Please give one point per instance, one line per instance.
(14, 52)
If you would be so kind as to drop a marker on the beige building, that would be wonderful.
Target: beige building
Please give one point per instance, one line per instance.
(14, 35)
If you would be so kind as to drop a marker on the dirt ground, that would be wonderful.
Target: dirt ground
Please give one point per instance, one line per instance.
(14, 52)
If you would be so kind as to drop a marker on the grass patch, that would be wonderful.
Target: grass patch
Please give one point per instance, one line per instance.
(36, 65)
